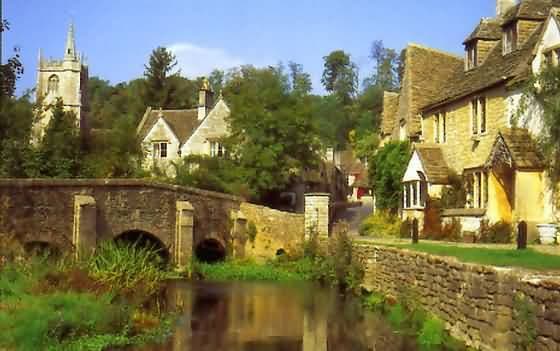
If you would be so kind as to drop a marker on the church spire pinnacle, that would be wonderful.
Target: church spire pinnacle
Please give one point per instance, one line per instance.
(70, 50)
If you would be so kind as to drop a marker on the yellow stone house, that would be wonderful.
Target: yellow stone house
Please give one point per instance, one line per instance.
(463, 117)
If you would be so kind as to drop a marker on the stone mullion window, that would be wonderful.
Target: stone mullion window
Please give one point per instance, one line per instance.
(478, 116)
(474, 114)
(436, 128)
(443, 127)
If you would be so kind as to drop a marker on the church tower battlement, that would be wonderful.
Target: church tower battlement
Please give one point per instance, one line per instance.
(64, 78)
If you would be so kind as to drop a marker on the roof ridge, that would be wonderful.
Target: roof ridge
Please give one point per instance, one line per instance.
(176, 110)
(439, 51)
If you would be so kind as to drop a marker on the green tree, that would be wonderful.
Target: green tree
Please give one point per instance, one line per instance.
(16, 118)
(59, 152)
(158, 74)
(217, 80)
(386, 173)
(386, 67)
(340, 76)
(300, 80)
(273, 138)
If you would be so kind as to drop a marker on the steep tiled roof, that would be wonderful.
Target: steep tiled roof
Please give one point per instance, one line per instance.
(390, 108)
(519, 146)
(487, 29)
(426, 70)
(530, 9)
(433, 162)
(497, 68)
(182, 122)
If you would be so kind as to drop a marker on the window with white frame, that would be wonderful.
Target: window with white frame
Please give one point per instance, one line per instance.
(510, 38)
(415, 193)
(436, 128)
(478, 116)
(440, 128)
(159, 150)
(472, 55)
(477, 189)
(217, 149)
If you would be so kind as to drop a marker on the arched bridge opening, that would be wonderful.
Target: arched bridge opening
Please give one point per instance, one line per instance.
(41, 249)
(145, 240)
(210, 251)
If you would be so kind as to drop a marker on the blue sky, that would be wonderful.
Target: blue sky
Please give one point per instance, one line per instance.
(117, 36)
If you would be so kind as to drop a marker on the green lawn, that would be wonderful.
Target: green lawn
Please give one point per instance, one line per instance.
(529, 259)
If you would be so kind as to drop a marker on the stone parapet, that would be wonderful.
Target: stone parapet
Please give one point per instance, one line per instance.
(479, 304)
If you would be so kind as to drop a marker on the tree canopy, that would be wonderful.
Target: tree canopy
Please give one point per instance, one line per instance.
(273, 137)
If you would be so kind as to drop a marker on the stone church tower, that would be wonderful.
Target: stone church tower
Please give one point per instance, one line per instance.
(67, 79)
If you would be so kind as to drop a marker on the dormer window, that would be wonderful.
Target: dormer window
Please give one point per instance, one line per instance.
(472, 55)
(510, 38)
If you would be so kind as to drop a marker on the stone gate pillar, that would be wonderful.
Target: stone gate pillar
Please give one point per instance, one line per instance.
(84, 233)
(239, 234)
(184, 234)
(317, 213)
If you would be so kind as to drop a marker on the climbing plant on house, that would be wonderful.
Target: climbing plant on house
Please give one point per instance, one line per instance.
(386, 172)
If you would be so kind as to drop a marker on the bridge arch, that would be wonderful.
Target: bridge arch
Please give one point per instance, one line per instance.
(210, 250)
(144, 239)
(41, 248)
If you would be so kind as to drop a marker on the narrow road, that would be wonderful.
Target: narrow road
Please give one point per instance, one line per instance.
(355, 216)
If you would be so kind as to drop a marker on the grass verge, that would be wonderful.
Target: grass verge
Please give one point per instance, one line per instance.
(529, 259)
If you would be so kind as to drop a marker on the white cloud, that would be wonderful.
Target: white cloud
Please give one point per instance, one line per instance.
(195, 61)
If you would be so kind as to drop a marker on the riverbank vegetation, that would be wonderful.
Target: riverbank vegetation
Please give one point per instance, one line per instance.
(90, 304)
(407, 316)
(341, 267)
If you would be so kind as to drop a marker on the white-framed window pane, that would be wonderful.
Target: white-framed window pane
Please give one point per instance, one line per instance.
(155, 150)
(474, 113)
(163, 150)
(436, 129)
(482, 111)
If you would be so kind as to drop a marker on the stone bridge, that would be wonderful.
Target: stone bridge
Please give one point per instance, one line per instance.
(76, 215)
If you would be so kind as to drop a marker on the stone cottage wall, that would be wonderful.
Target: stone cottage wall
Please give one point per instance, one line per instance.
(478, 303)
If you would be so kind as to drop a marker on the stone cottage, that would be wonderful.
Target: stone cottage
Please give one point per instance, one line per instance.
(463, 117)
(169, 135)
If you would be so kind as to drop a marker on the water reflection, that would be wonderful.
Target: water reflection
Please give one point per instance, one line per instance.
(273, 317)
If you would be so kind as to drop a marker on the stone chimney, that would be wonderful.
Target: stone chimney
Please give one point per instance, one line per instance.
(205, 99)
(502, 6)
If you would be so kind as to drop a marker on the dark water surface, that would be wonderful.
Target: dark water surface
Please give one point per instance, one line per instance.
(274, 317)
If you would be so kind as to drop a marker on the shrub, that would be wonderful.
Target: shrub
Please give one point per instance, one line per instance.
(497, 233)
(404, 230)
(380, 225)
(432, 333)
(126, 267)
(432, 220)
(348, 267)
(252, 231)
(451, 231)
(455, 195)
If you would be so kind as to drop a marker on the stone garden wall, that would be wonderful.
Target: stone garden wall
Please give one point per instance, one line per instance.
(488, 308)
(275, 230)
